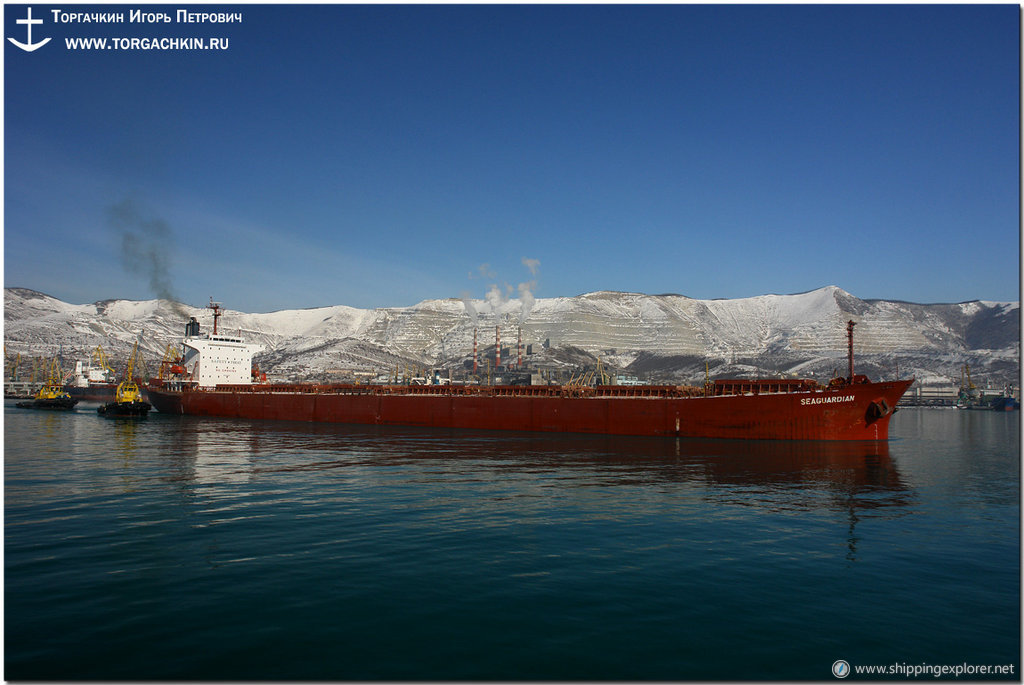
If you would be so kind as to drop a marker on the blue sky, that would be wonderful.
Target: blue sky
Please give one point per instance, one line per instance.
(382, 155)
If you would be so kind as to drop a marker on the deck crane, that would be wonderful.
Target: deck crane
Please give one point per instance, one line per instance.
(171, 363)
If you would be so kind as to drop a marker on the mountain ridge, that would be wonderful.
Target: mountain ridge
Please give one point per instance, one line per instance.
(665, 338)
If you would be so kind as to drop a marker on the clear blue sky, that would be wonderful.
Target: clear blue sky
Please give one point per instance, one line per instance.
(379, 155)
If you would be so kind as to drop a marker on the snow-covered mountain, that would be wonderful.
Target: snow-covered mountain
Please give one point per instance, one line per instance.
(664, 338)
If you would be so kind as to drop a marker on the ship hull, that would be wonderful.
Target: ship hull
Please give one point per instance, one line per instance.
(1005, 404)
(50, 403)
(853, 412)
(96, 392)
(136, 408)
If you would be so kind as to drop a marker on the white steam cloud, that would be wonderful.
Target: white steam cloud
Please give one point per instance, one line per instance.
(526, 299)
(497, 297)
(467, 302)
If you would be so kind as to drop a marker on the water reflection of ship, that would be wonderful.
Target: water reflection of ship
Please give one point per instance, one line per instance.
(205, 453)
(854, 480)
(769, 474)
(824, 465)
(844, 481)
(812, 473)
(125, 438)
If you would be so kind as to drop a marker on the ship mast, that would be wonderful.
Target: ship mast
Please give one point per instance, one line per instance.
(215, 306)
(849, 335)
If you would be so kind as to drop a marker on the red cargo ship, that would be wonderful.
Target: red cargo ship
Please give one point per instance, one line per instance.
(851, 408)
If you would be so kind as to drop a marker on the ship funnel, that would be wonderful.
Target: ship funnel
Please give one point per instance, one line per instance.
(192, 328)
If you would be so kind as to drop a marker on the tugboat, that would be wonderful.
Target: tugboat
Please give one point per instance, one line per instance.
(128, 398)
(52, 395)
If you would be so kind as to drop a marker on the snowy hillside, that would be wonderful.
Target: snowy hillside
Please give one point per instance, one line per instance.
(665, 338)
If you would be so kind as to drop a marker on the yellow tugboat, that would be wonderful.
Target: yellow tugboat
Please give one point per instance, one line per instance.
(52, 395)
(128, 398)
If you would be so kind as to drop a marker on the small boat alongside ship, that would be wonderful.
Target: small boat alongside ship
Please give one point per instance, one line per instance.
(128, 400)
(52, 395)
(214, 377)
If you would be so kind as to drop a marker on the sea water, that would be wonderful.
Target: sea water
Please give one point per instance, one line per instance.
(178, 548)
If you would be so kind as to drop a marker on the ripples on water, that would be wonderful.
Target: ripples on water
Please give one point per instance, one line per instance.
(177, 548)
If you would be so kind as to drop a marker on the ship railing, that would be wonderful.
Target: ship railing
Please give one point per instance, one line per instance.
(717, 388)
(773, 386)
(601, 391)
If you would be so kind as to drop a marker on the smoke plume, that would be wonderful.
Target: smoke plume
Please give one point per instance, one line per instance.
(483, 271)
(526, 299)
(146, 245)
(470, 309)
(495, 298)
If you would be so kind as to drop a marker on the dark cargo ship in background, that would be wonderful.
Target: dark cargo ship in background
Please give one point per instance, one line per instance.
(93, 380)
(214, 377)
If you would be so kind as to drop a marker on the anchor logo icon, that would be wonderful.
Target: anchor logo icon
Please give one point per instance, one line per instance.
(30, 46)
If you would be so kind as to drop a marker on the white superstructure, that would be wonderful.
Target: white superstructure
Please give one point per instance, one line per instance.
(218, 360)
(211, 360)
(86, 374)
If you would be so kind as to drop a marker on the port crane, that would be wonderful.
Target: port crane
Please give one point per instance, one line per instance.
(99, 357)
(11, 365)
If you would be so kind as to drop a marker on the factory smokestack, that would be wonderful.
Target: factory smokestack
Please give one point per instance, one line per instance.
(519, 344)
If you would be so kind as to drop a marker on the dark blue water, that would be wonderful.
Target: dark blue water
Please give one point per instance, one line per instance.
(177, 548)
